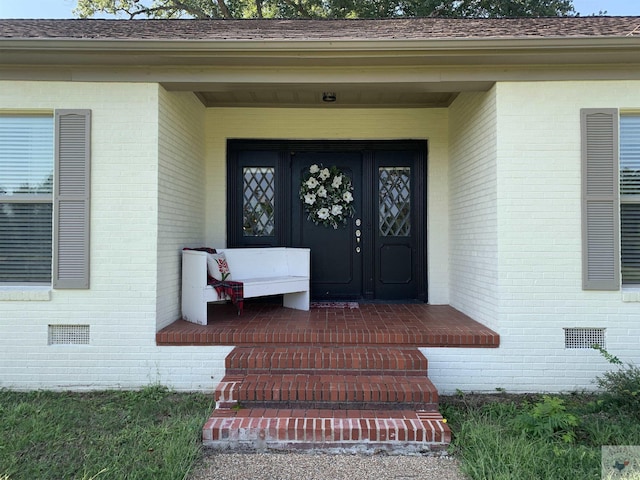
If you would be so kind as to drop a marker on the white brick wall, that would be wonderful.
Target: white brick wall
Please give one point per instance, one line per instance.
(473, 206)
(539, 184)
(504, 177)
(181, 193)
(537, 203)
(128, 216)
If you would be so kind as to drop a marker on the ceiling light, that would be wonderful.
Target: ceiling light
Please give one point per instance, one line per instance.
(328, 97)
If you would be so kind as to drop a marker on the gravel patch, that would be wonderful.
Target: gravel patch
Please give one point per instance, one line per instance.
(310, 466)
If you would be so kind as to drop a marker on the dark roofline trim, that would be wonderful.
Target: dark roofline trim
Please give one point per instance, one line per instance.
(444, 44)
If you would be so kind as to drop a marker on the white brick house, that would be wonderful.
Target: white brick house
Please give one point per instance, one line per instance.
(507, 111)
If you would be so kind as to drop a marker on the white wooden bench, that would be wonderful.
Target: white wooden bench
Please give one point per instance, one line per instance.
(263, 271)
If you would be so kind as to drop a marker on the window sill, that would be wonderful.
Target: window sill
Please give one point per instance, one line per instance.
(631, 294)
(25, 294)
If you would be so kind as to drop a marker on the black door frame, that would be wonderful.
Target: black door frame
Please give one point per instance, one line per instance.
(279, 154)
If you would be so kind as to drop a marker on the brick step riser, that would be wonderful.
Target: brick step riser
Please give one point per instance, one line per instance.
(325, 389)
(337, 398)
(395, 360)
(317, 371)
(349, 405)
(423, 433)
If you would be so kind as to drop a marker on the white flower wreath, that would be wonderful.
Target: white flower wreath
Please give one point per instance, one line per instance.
(327, 195)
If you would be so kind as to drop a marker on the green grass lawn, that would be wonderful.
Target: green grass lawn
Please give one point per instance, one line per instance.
(147, 434)
(155, 434)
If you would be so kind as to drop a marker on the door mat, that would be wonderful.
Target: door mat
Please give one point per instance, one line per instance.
(350, 305)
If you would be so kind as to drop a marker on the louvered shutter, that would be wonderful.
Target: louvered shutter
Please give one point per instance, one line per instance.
(600, 203)
(71, 199)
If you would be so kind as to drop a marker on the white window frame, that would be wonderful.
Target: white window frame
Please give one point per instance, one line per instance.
(33, 198)
(626, 198)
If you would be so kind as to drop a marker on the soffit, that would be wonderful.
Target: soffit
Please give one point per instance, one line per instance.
(346, 96)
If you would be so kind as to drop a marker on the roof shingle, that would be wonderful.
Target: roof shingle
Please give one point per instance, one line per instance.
(274, 30)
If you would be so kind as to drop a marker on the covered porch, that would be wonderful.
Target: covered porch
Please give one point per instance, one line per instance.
(341, 323)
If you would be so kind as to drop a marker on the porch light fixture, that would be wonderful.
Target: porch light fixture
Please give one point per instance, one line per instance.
(328, 97)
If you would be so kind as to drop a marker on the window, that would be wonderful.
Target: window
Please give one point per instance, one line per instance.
(394, 202)
(44, 199)
(258, 195)
(630, 198)
(26, 198)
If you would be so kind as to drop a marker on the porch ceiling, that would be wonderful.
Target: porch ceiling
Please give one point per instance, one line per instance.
(361, 95)
(346, 96)
(305, 97)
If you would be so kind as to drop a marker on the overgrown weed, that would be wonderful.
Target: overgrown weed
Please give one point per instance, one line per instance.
(621, 387)
(537, 437)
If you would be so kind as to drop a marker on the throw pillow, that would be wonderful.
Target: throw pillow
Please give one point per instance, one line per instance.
(218, 266)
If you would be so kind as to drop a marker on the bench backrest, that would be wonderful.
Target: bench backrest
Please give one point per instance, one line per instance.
(267, 262)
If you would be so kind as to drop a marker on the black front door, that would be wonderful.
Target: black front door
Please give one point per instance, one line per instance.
(336, 253)
(378, 254)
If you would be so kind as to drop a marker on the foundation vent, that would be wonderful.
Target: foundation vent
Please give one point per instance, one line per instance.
(584, 337)
(68, 334)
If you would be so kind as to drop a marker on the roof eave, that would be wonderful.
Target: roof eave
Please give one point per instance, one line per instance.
(499, 50)
(150, 45)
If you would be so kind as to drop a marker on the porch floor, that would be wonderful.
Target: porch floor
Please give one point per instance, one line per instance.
(418, 325)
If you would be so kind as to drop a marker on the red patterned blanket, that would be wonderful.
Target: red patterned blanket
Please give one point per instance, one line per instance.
(226, 288)
(231, 289)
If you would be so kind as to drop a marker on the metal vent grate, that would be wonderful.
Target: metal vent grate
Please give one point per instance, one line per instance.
(68, 334)
(584, 337)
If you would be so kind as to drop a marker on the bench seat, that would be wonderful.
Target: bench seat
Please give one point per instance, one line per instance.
(263, 272)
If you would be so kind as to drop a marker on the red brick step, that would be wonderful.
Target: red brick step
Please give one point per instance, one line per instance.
(362, 431)
(329, 398)
(328, 389)
(305, 359)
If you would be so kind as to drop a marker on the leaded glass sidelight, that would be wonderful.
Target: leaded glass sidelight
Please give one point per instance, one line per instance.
(258, 201)
(394, 201)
